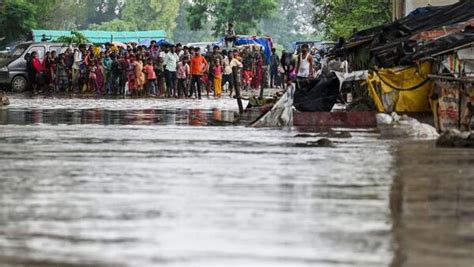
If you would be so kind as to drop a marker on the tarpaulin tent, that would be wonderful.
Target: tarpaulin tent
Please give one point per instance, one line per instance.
(147, 42)
(265, 42)
(101, 37)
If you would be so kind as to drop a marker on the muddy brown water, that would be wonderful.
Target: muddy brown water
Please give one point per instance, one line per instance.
(88, 182)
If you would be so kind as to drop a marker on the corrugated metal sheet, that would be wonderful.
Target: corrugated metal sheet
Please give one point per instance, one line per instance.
(389, 44)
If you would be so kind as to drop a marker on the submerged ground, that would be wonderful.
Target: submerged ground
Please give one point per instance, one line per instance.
(87, 182)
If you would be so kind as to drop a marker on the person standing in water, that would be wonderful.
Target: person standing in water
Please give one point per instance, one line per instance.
(274, 64)
(217, 74)
(288, 64)
(198, 66)
(304, 65)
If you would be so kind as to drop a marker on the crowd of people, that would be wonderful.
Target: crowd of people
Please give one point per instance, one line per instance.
(153, 71)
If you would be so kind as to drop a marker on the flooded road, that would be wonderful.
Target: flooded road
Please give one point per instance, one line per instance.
(177, 183)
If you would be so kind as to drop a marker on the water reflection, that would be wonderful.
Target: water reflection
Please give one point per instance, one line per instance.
(139, 187)
(194, 117)
(168, 194)
(432, 206)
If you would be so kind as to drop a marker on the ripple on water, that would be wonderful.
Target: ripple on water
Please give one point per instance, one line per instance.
(171, 194)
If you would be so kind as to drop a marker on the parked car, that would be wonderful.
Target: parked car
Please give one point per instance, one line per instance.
(13, 69)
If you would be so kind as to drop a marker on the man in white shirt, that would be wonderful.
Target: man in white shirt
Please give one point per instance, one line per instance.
(77, 65)
(171, 62)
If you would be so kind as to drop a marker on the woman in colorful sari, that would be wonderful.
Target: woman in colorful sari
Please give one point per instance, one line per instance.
(257, 71)
(131, 78)
(100, 76)
(139, 75)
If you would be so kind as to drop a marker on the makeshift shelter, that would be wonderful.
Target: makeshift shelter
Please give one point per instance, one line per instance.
(101, 37)
(453, 91)
(265, 42)
(418, 63)
(386, 45)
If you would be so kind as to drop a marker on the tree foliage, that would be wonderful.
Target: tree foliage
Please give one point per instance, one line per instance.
(16, 19)
(76, 38)
(294, 22)
(183, 33)
(338, 18)
(143, 15)
(245, 14)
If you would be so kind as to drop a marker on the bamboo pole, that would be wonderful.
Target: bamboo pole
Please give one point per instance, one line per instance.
(237, 84)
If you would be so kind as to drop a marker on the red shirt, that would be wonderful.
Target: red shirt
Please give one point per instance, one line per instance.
(150, 72)
(37, 65)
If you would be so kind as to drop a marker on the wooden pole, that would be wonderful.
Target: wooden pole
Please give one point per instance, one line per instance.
(264, 81)
(237, 84)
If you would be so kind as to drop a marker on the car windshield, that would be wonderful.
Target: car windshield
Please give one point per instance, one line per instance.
(17, 51)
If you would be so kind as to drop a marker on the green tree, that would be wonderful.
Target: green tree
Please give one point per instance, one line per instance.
(338, 18)
(76, 38)
(183, 33)
(244, 13)
(144, 15)
(292, 21)
(17, 18)
(44, 11)
(100, 11)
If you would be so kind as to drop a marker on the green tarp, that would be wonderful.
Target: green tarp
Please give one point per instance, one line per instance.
(103, 36)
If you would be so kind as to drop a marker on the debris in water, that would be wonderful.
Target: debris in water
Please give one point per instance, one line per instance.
(455, 138)
(330, 134)
(395, 126)
(324, 142)
(281, 113)
(4, 100)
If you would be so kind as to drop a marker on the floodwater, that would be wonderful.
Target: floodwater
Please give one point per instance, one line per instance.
(87, 182)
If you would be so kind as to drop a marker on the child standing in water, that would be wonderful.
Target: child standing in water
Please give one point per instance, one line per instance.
(217, 71)
(151, 77)
(182, 75)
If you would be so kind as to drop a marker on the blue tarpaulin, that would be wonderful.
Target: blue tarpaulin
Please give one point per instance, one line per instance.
(267, 48)
(423, 10)
(147, 42)
(265, 42)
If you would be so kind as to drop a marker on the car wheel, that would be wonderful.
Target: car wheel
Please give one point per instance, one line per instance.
(19, 84)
